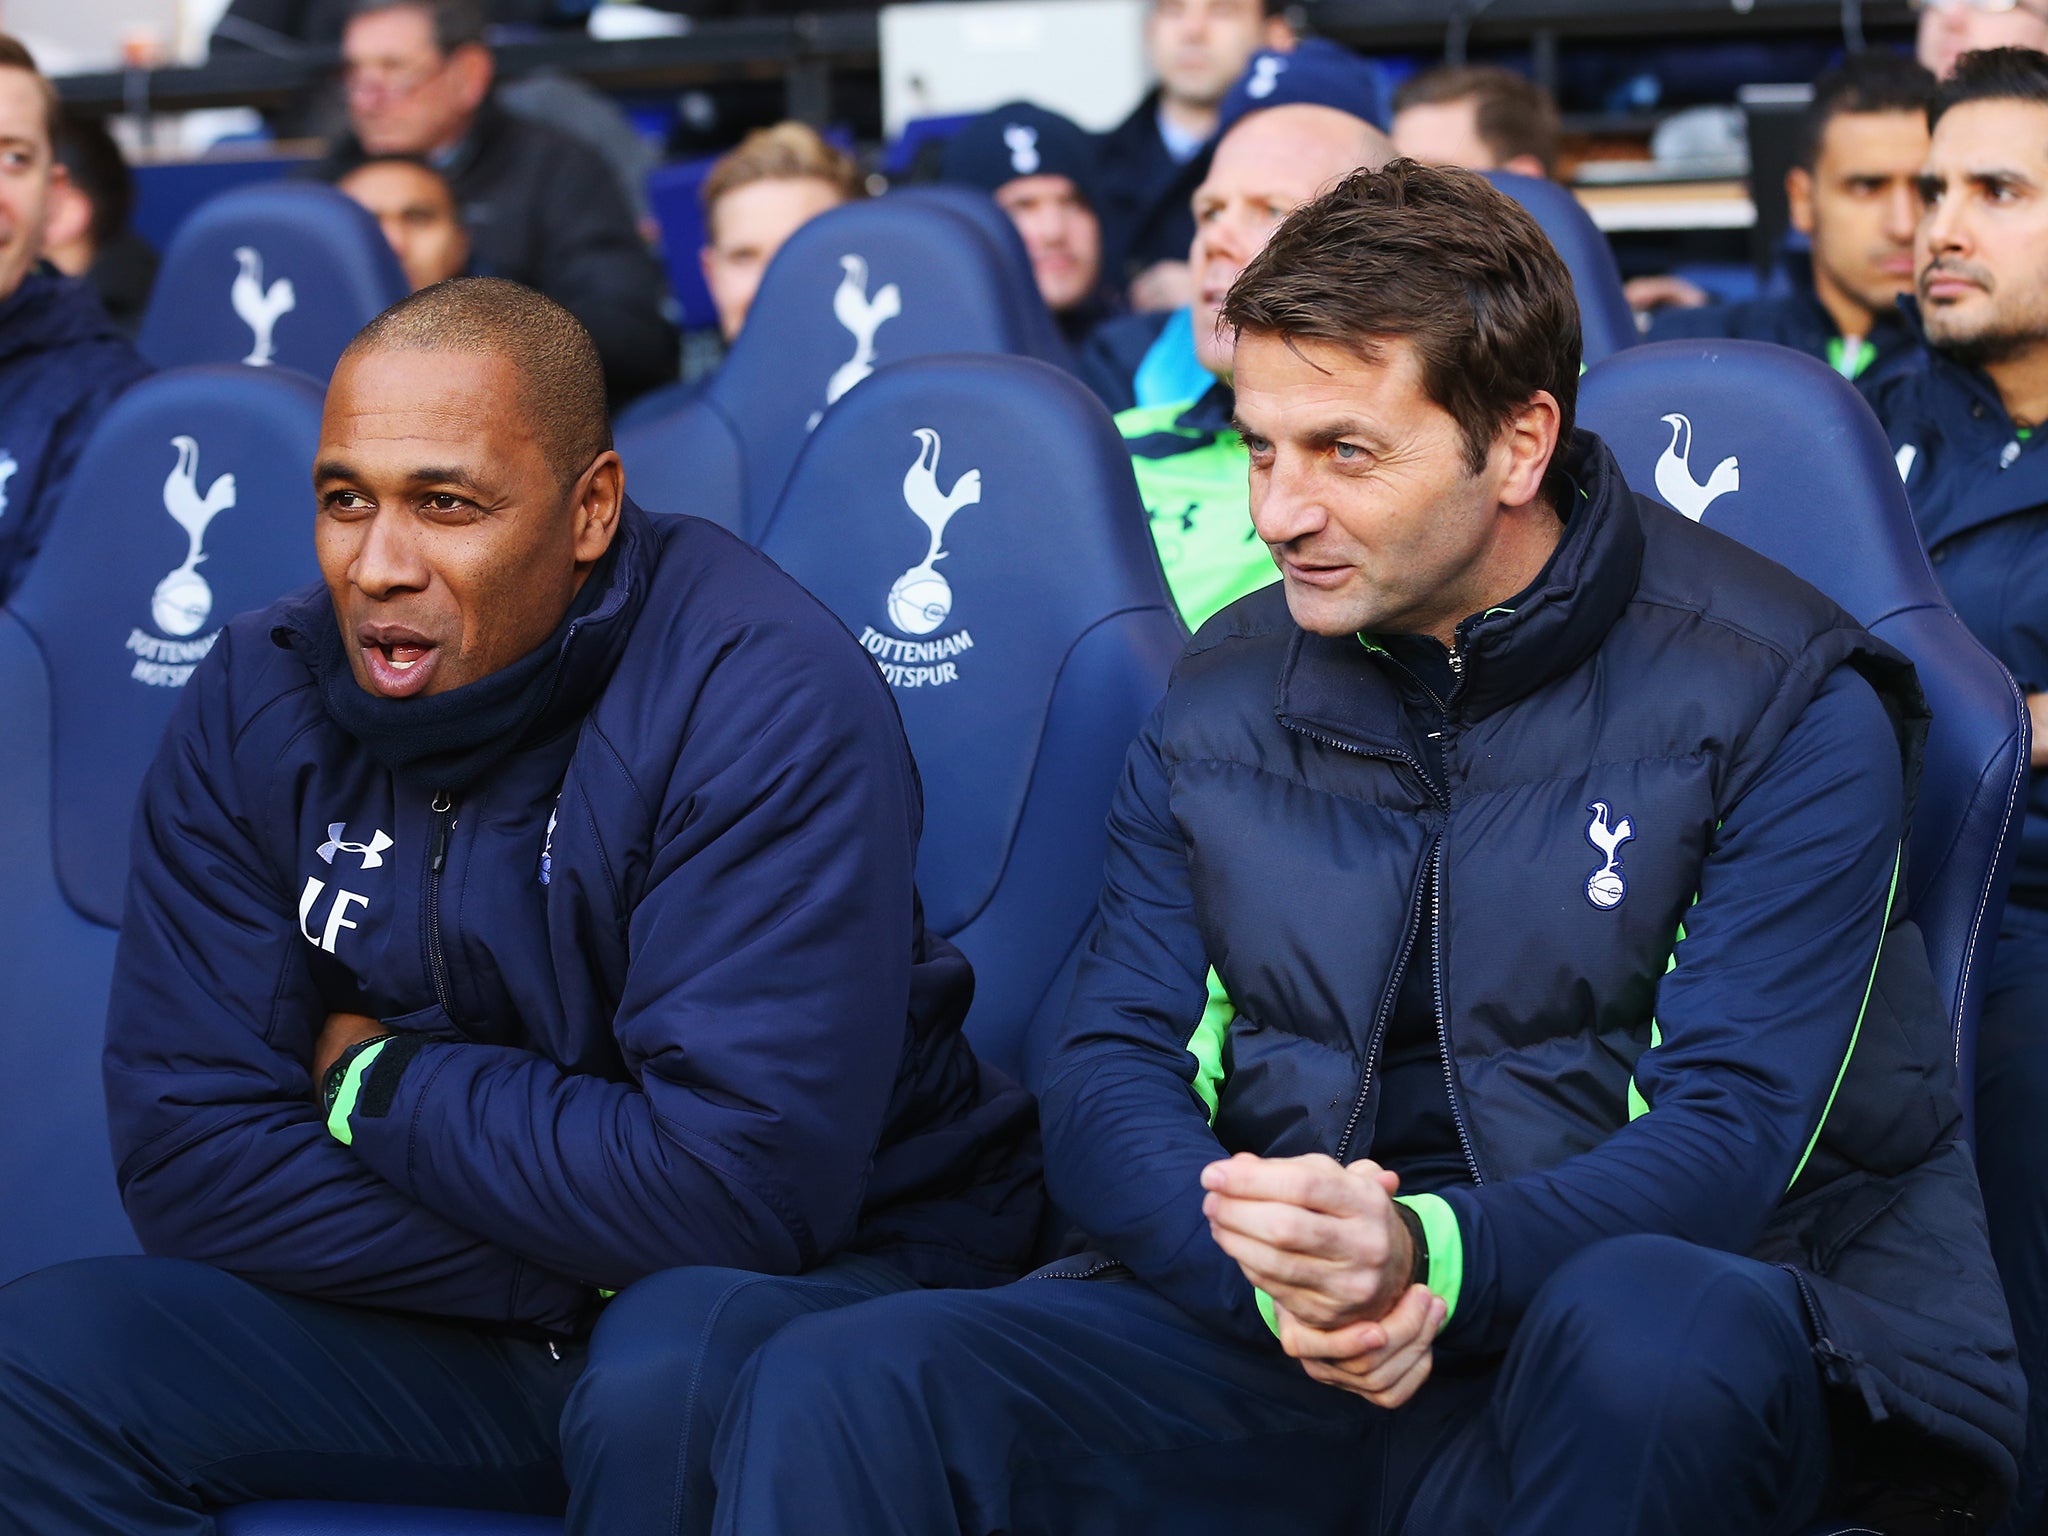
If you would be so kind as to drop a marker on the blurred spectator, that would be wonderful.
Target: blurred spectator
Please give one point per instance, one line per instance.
(292, 28)
(86, 233)
(541, 207)
(755, 198)
(1041, 170)
(1152, 163)
(62, 360)
(1190, 464)
(1951, 28)
(1477, 116)
(414, 205)
(1855, 194)
(1965, 423)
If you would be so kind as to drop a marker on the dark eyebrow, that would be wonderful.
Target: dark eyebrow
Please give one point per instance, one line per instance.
(425, 475)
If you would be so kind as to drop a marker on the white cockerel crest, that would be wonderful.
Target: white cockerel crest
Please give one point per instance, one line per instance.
(921, 598)
(183, 601)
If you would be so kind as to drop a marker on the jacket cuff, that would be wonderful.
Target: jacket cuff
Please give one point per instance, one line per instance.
(350, 1092)
(1446, 1247)
(370, 1084)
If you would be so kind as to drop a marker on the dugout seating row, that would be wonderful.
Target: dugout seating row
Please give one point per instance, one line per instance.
(972, 519)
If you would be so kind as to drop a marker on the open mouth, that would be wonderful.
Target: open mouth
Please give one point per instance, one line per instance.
(399, 666)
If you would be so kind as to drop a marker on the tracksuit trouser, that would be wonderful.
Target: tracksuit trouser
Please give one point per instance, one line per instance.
(2012, 1166)
(138, 1395)
(1653, 1386)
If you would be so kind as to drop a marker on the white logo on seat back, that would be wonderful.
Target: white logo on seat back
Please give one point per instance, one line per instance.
(1266, 70)
(921, 599)
(862, 317)
(1674, 473)
(182, 601)
(1605, 887)
(260, 307)
(8, 467)
(1022, 139)
(371, 853)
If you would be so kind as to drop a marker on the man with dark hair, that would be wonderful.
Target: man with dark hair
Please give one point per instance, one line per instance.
(62, 360)
(1433, 1188)
(542, 208)
(1041, 170)
(1479, 116)
(415, 207)
(1964, 417)
(524, 914)
(86, 233)
(1855, 195)
(1154, 160)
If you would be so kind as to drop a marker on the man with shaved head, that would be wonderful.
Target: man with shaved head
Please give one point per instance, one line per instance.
(522, 969)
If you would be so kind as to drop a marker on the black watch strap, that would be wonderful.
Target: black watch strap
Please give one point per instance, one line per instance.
(1419, 1241)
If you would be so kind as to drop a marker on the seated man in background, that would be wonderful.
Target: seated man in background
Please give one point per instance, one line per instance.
(542, 208)
(62, 360)
(1951, 28)
(415, 207)
(1152, 162)
(1686, 1241)
(1855, 194)
(1040, 169)
(776, 181)
(86, 232)
(1479, 116)
(525, 913)
(1277, 153)
(1964, 418)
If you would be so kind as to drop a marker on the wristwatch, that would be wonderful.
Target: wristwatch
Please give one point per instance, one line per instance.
(1418, 1273)
(330, 1085)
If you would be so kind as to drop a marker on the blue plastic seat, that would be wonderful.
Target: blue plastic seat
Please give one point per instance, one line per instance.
(1024, 624)
(282, 273)
(1770, 447)
(864, 285)
(1606, 322)
(190, 503)
(310, 1518)
(980, 210)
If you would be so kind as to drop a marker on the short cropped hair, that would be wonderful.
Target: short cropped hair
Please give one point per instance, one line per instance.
(14, 54)
(1869, 82)
(1444, 259)
(456, 23)
(1515, 115)
(561, 378)
(1993, 74)
(785, 152)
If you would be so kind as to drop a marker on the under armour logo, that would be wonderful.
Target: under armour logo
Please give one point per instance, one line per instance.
(1023, 142)
(1266, 69)
(372, 852)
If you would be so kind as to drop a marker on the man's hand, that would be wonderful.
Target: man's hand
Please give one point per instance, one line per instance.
(1323, 1240)
(1668, 291)
(1385, 1362)
(1163, 285)
(341, 1031)
(2037, 716)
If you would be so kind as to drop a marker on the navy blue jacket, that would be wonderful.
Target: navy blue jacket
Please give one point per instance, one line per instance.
(679, 1003)
(1980, 495)
(1653, 836)
(62, 362)
(1144, 196)
(1797, 320)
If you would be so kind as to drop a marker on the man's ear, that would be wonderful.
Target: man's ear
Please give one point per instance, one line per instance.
(471, 70)
(1799, 194)
(1528, 442)
(599, 497)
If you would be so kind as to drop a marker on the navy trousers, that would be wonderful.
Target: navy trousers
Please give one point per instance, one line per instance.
(2012, 1161)
(137, 1394)
(1653, 1386)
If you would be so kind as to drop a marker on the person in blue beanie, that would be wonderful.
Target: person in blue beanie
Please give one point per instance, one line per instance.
(62, 358)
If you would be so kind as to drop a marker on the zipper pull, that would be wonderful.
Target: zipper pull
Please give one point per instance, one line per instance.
(1457, 663)
(437, 851)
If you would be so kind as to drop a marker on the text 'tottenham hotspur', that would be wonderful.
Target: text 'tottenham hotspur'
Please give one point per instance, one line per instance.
(917, 663)
(167, 663)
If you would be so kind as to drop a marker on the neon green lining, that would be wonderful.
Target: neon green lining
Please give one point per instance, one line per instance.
(351, 1089)
(1206, 1043)
(1856, 1033)
(1266, 1311)
(1638, 1106)
(1446, 1247)
(1850, 355)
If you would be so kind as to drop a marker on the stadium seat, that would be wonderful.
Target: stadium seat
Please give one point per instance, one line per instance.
(979, 209)
(189, 504)
(310, 1518)
(1606, 322)
(1771, 447)
(863, 285)
(1026, 630)
(282, 273)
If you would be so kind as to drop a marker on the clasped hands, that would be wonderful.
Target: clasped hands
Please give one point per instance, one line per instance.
(1327, 1244)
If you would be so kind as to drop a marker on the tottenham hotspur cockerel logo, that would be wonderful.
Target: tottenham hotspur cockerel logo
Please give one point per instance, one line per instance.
(1605, 887)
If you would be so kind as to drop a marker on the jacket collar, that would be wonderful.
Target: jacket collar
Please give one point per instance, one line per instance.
(1995, 474)
(1339, 687)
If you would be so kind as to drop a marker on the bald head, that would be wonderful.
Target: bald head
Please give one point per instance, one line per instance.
(561, 381)
(1266, 166)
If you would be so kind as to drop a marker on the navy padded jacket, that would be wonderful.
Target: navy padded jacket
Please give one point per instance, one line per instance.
(679, 1003)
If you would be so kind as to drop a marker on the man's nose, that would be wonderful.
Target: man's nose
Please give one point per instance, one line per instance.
(389, 558)
(1946, 226)
(1288, 507)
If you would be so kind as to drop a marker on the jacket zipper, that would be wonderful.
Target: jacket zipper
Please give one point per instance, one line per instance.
(437, 859)
(1102, 1268)
(1443, 1026)
(1838, 1366)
